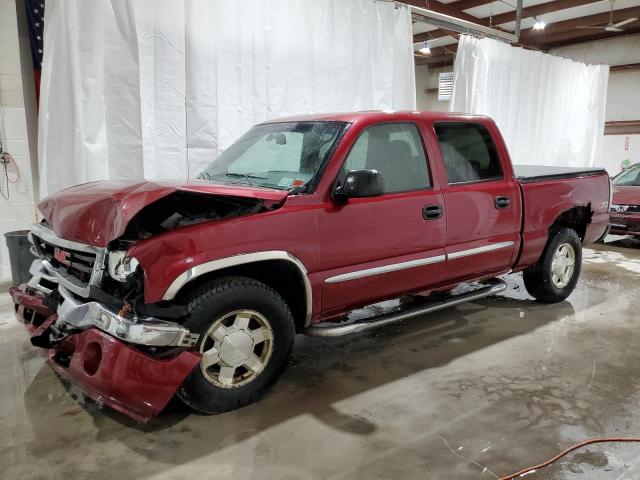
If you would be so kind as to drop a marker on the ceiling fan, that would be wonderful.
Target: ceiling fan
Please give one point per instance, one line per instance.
(611, 27)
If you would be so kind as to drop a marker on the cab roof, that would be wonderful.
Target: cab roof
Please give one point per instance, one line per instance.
(378, 116)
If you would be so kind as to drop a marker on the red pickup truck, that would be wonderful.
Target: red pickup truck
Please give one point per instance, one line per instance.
(145, 290)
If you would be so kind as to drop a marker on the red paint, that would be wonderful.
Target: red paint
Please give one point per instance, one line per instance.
(331, 239)
(98, 212)
(29, 301)
(120, 376)
(627, 223)
(328, 238)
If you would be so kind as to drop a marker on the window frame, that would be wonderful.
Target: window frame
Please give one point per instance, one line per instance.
(343, 172)
(444, 165)
(625, 172)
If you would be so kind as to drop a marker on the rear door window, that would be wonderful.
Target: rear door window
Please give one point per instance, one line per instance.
(468, 152)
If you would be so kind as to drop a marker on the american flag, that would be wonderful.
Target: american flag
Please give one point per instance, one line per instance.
(35, 16)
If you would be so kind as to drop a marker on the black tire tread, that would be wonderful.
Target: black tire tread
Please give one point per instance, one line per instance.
(537, 279)
(205, 293)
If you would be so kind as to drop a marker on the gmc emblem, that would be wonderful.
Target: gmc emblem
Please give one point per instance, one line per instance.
(61, 256)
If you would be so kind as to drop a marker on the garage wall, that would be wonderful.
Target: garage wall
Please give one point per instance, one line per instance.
(427, 79)
(16, 211)
(623, 94)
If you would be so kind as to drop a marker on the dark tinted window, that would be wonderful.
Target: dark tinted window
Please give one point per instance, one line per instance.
(468, 152)
(396, 151)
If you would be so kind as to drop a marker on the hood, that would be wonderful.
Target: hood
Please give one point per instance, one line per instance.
(626, 195)
(99, 212)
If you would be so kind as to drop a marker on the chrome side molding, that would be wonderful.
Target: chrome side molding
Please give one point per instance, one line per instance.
(393, 267)
(198, 270)
(385, 269)
(475, 251)
(491, 287)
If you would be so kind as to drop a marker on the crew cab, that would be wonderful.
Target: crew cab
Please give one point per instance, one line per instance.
(145, 290)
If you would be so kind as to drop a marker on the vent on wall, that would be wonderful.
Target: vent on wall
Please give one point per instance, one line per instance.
(445, 85)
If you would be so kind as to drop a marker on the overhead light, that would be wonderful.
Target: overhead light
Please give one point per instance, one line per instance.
(425, 50)
(539, 25)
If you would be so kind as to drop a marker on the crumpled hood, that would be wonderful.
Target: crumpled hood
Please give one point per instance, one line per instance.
(626, 195)
(96, 213)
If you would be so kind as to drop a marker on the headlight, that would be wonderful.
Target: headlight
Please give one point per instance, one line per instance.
(120, 266)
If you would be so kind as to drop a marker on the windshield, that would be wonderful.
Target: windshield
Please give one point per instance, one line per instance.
(628, 178)
(276, 155)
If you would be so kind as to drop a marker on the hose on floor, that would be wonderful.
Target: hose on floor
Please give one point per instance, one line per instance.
(527, 470)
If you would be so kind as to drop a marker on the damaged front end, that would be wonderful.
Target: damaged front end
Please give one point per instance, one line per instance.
(85, 303)
(130, 362)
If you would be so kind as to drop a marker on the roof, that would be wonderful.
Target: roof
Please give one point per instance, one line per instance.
(374, 115)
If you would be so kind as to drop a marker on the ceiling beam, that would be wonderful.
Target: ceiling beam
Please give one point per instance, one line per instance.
(432, 35)
(435, 51)
(566, 28)
(628, 67)
(537, 10)
(450, 9)
(467, 4)
(571, 38)
(430, 59)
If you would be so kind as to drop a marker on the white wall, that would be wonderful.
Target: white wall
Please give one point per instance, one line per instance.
(623, 94)
(427, 78)
(16, 212)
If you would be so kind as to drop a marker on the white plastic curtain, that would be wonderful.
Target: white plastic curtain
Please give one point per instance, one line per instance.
(155, 89)
(550, 110)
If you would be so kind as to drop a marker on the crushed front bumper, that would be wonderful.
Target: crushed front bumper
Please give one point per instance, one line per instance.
(93, 347)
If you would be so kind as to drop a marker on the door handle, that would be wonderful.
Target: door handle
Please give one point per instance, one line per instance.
(431, 212)
(502, 202)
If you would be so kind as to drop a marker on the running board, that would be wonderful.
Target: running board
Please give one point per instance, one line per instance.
(490, 287)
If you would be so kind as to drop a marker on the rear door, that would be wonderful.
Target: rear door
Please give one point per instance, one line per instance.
(374, 248)
(482, 202)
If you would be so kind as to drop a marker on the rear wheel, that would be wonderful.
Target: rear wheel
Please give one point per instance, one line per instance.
(246, 334)
(554, 276)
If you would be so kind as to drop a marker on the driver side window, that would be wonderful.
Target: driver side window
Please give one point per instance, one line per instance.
(396, 151)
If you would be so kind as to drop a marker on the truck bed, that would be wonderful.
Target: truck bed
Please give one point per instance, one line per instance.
(536, 173)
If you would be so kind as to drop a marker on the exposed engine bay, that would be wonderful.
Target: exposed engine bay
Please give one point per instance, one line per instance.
(182, 208)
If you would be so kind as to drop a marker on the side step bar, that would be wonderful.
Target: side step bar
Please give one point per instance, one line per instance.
(490, 287)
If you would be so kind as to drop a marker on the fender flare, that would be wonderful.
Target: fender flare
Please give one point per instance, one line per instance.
(197, 271)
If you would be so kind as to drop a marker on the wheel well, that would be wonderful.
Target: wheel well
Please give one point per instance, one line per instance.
(281, 275)
(576, 218)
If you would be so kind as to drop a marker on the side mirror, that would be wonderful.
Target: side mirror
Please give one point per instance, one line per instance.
(360, 183)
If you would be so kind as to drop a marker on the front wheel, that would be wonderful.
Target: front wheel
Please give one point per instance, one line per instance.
(554, 276)
(246, 335)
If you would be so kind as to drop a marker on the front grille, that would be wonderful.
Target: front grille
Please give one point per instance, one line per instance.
(67, 261)
(625, 209)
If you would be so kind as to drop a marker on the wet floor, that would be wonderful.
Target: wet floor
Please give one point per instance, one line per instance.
(476, 391)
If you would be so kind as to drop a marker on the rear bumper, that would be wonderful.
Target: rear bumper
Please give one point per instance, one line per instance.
(109, 370)
(627, 224)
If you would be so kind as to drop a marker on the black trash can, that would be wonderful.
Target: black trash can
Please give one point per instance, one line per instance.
(20, 255)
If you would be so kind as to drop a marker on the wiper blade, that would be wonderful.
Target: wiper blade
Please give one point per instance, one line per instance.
(247, 176)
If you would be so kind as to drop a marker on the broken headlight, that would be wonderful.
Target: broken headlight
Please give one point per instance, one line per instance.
(120, 265)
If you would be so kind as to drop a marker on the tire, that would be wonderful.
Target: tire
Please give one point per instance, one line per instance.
(229, 302)
(539, 279)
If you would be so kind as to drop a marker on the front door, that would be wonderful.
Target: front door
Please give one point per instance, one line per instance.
(376, 248)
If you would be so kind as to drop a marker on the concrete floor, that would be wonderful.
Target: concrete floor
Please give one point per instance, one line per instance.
(476, 391)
